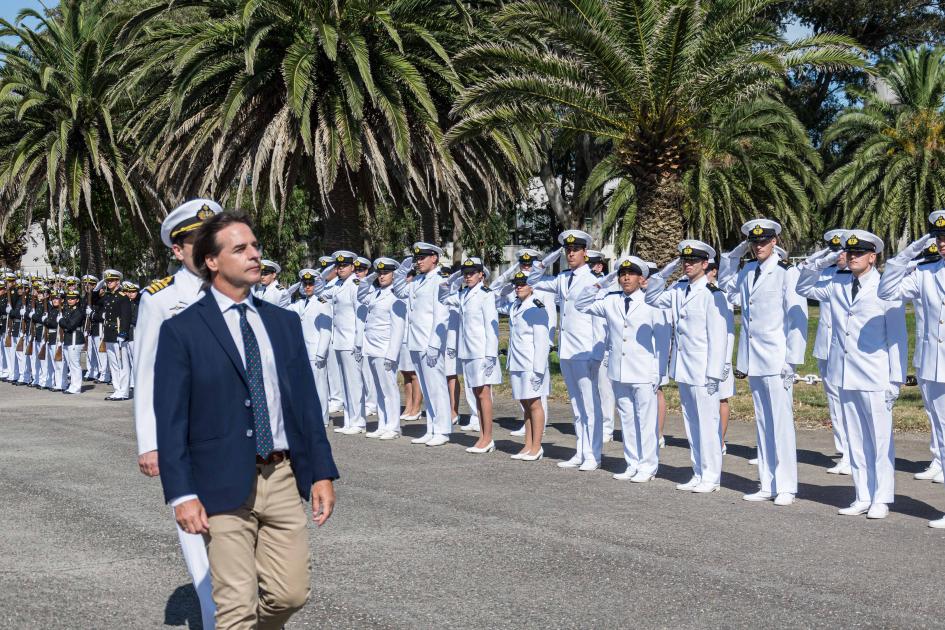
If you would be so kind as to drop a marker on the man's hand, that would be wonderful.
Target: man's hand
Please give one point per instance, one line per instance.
(321, 362)
(357, 354)
(323, 501)
(668, 270)
(191, 517)
(148, 464)
(892, 395)
(740, 250)
(788, 374)
(433, 355)
(915, 248)
(406, 265)
(390, 365)
(538, 380)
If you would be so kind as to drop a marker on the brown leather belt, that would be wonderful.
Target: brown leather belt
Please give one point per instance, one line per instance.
(275, 457)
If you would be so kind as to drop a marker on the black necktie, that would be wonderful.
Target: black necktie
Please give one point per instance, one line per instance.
(307, 297)
(626, 304)
(855, 289)
(570, 280)
(688, 287)
(757, 274)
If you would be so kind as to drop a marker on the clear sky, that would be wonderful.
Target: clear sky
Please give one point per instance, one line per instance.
(9, 8)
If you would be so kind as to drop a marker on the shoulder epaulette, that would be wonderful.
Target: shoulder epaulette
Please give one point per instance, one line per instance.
(357, 280)
(929, 262)
(280, 287)
(486, 289)
(158, 285)
(615, 293)
(713, 288)
(783, 264)
(840, 271)
(538, 303)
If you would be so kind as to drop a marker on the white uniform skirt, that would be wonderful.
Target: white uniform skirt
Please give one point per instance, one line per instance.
(727, 387)
(522, 385)
(404, 362)
(474, 373)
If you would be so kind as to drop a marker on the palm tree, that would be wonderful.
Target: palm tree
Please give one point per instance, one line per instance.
(342, 97)
(57, 88)
(892, 150)
(646, 76)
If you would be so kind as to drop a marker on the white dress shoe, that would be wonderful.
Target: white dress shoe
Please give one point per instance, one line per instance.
(877, 511)
(339, 429)
(423, 439)
(761, 495)
(518, 432)
(855, 509)
(370, 411)
(588, 465)
(938, 523)
(404, 416)
(374, 434)
(642, 477)
(335, 408)
(842, 468)
(390, 435)
(662, 442)
(438, 440)
(784, 498)
(626, 475)
(753, 461)
(705, 487)
(689, 485)
(534, 458)
(939, 478)
(574, 462)
(488, 448)
(471, 428)
(929, 473)
(518, 455)
(353, 430)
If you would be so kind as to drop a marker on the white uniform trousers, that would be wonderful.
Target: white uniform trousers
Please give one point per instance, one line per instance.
(777, 444)
(336, 387)
(580, 376)
(872, 452)
(388, 394)
(934, 396)
(55, 368)
(73, 360)
(321, 389)
(700, 411)
(636, 404)
(369, 392)
(38, 367)
(349, 372)
(4, 365)
(119, 366)
(104, 367)
(23, 365)
(92, 367)
(198, 566)
(606, 389)
(10, 354)
(130, 349)
(836, 414)
(436, 397)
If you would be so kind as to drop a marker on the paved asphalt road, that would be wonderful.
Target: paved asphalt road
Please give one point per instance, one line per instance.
(426, 537)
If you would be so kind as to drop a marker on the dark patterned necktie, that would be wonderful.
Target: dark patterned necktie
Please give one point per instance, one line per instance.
(257, 389)
(626, 304)
(855, 288)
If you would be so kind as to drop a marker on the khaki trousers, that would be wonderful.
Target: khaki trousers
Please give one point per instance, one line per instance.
(259, 554)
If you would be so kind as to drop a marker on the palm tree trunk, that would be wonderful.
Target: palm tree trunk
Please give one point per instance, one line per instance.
(91, 255)
(659, 225)
(342, 219)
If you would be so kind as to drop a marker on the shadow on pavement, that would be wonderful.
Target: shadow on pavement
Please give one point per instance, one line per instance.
(183, 608)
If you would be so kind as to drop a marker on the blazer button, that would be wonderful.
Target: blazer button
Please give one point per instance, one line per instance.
(249, 433)
(247, 403)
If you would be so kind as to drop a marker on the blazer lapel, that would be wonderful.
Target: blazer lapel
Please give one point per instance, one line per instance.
(211, 314)
(634, 303)
(752, 284)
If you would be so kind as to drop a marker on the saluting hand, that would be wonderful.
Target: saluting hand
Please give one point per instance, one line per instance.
(323, 501)
(192, 517)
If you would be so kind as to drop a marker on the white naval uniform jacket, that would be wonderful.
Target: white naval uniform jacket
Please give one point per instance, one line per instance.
(774, 316)
(274, 294)
(550, 306)
(529, 340)
(576, 329)
(315, 313)
(343, 296)
(383, 332)
(160, 301)
(868, 341)
(426, 316)
(478, 321)
(630, 333)
(700, 328)
(925, 286)
(822, 340)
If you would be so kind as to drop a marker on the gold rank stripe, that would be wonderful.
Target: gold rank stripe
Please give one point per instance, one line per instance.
(157, 285)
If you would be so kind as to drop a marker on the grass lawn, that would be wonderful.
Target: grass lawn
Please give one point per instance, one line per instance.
(810, 403)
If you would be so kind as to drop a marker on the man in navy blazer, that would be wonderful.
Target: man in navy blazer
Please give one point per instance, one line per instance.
(239, 439)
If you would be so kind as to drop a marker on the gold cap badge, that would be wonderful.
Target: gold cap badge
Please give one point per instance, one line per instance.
(940, 222)
(686, 250)
(852, 240)
(204, 213)
(758, 230)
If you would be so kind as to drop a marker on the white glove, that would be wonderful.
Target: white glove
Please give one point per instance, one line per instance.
(604, 282)
(9, 308)
(390, 365)
(668, 270)
(550, 258)
(490, 365)
(358, 356)
(537, 381)
(406, 266)
(656, 386)
(327, 271)
(892, 395)
(59, 318)
(822, 262)
(782, 253)
(726, 371)
(915, 248)
(788, 375)
(712, 386)
(740, 250)
(606, 360)
(451, 353)
(321, 362)
(433, 356)
(88, 310)
(45, 315)
(23, 311)
(369, 279)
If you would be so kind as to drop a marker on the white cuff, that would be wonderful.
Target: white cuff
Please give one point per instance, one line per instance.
(183, 499)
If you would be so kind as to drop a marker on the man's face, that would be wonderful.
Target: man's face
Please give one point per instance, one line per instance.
(522, 291)
(525, 266)
(54, 302)
(266, 278)
(859, 262)
(361, 272)
(111, 284)
(575, 256)
(629, 281)
(763, 249)
(132, 295)
(385, 278)
(344, 270)
(238, 262)
(426, 262)
(71, 302)
(472, 278)
(694, 268)
(597, 267)
(184, 252)
(308, 288)
(940, 242)
(712, 274)
(842, 261)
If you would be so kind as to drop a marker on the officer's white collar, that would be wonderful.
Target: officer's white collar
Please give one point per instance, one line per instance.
(585, 268)
(187, 276)
(695, 284)
(771, 260)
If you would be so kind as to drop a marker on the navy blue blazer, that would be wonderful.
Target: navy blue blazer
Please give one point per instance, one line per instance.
(204, 416)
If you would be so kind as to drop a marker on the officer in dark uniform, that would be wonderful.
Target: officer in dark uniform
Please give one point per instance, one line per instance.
(4, 301)
(72, 326)
(17, 308)
(96, 335)
(116, 326)
(37, 333)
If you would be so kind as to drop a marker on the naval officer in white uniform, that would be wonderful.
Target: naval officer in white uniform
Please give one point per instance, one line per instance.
(315, 313)
(866, 362)
(269, 288)
(699, 357)
(426, 337)
(772, 344)
(160, 301)
(579, 351)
